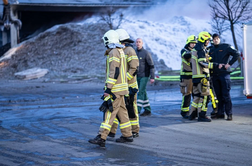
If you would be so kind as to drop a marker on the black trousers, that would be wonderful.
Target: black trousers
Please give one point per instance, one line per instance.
(222, 87)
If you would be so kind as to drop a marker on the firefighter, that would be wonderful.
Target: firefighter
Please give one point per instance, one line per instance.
(221, 53)
(186, 75)
(131, 99)
(200, 78)
(116, 87)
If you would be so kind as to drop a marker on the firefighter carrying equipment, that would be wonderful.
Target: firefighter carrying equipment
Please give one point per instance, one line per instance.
(204, 36)
(110, 37)
(107, 104)
(191, 39)
(129, 101)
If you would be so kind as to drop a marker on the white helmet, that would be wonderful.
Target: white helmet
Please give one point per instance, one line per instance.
(110, 37)
(123, 34)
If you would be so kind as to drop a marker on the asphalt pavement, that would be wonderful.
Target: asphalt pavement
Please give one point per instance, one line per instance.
(50, 124)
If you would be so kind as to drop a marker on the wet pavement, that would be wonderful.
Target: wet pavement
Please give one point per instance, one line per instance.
(50, 124)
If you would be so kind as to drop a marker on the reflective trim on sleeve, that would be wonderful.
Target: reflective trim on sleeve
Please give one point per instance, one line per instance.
(131, 58)
(114, 59)
(202, 60)
(133, 85)
(111, 81)
(129, 76)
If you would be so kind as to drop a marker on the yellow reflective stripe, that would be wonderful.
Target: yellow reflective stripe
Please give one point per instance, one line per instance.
(111, 81)
(194, 104)
(200, 105)
(107, 66)
(187, 63)
(134, 122)
(125, 125)
(186, 73)
(133, 85)
(202, 59)
(213, 99)
(198, 76)
(204, 108)
(131, 58)
(116, 121)
(108, 117)
(183, 53)
(114, 59)
(105, 126)
(185, 109)
(210, 65)
(119, 87)
(197, 65)
(129, 76)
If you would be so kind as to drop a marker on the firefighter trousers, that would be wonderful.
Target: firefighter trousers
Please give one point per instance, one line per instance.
(201, 98)
(119, 109)
(142, 98)
(135, 127)
(186, 86)
(222, 86)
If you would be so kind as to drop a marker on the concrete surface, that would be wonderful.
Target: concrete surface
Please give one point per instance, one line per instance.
(50, 124)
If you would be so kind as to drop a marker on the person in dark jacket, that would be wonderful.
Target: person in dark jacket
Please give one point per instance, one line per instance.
(145, 71)
(220, 53)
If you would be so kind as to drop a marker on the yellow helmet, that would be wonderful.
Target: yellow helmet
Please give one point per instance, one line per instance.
(191, 39)
(203, 36)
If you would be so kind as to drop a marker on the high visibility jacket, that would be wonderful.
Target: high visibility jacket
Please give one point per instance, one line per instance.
(200, 66)
(132, 65)
(186, 66)
(116, 78)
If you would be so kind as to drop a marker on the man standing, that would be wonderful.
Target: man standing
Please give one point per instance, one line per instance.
(186, 75)
(116, 87)
(146, 70)
(200, 78)
(220, 53)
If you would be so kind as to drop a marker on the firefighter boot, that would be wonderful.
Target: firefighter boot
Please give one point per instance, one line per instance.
(203, 118)
(123, 139)
(134, 134)
(214, 113)
(98, 140)
(112, 135)
(229, 117)
(193, 115)
(184, 114)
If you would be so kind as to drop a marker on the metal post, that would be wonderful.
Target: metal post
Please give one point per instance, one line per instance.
(4, 38)
(13, 32)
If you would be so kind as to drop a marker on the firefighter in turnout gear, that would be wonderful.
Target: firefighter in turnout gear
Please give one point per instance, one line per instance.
(131, 99)
(200, 78)
(186, 75)
(116, 87)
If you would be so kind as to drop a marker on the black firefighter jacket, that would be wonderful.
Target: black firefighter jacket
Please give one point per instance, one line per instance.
(220, 54)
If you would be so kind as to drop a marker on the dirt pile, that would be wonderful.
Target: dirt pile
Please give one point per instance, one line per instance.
(68, 50)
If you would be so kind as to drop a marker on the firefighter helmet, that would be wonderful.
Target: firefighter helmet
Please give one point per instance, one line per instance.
(124, 36)
(191, 39)
(110, 37)
(204, 36)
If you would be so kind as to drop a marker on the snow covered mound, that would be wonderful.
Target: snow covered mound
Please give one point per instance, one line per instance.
(65, 50)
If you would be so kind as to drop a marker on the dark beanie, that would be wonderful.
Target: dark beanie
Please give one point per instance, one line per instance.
(216, 35)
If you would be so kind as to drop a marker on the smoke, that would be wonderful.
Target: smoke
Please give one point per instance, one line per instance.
(196, 9)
